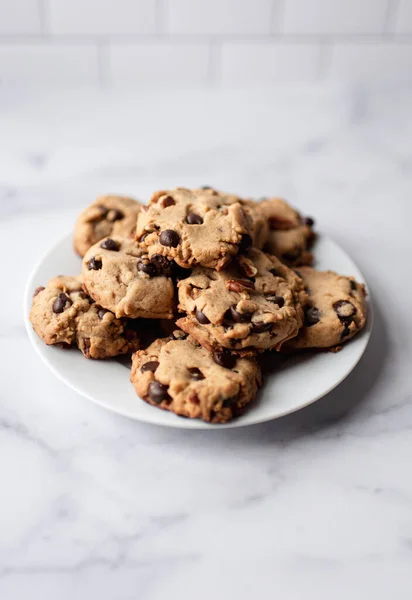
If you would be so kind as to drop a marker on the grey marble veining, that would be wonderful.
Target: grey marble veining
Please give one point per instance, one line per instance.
(315, 505)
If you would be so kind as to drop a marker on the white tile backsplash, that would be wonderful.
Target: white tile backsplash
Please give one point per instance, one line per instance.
(102, 17)
(48, 64)
(244, 62)
(331, 17)
(403, 22)
(19, 17)
(218, 17)
(157, 63)
(191, 41)
(371, 61)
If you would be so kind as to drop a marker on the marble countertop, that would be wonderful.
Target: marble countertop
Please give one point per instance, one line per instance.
(316, 505)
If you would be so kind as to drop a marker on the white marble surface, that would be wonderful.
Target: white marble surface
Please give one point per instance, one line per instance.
(317, 505)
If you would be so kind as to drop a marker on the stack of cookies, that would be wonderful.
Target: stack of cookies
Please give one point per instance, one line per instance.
(196, 285)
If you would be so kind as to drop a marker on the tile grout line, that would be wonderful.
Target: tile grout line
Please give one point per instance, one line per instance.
(277, 16)
(390, 16)
(44, 17)
(161, 16)
(205, 38)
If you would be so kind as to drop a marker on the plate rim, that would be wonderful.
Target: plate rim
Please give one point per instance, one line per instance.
(196, 424)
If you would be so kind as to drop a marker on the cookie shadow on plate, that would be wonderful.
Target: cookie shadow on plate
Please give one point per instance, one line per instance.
(340, 405)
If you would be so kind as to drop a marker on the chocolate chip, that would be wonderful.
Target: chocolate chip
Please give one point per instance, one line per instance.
(193, 219)
(345, 332)
(292, 256)
(143, 237)
(148, 268)
(276, 300)
(309, 221)
(162, 265)
(353, 285)
(116, 215)
(224, 359)
(101, 312)
(38, 290)
(275, 273)
(245, 243)
(239, 317)
(158, 392)
(312, 316)
(201, 317)
(168, 201)
(229, 402)
(196, 374)
(61, 303)
(345, 310)
(149, 366)
(94, 264)
(259, 327)
(168, 237)
(109, 244)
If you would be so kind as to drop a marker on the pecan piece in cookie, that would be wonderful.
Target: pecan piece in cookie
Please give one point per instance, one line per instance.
(290, 235)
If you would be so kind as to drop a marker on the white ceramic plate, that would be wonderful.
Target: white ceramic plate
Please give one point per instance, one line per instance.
(295, 382)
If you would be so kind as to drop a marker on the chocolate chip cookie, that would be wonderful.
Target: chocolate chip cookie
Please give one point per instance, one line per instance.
(253, 305)
(194, 227)
(179, 375)
(290, 235)
(108, 215)
(335, 312)
(63, 314)
(119, 275)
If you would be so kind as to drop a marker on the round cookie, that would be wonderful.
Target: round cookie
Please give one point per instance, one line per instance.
(108, 215)
(194, 227)
(253, 305)
(289, 236)
(335, 312)
(63, 314)
(179, 375)
(118, 274)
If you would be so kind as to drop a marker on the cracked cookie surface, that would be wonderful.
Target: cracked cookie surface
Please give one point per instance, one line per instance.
(108, 215)
(335, 312)
(194, 227)
(180, 376)
(118, 274)
(63, 314)
(253, 305)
